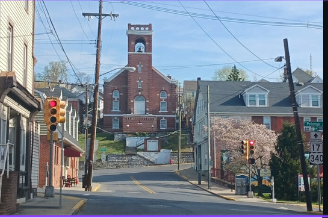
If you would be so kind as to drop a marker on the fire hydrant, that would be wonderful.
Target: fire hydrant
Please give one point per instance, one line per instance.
(171, 161)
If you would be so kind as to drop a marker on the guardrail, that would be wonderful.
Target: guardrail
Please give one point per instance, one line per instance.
(4, 159)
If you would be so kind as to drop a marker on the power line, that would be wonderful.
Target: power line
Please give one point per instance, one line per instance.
(62, 47)
(237, 39)
(227, 19)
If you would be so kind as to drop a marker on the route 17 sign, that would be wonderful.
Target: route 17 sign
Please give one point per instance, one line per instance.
(316, 149)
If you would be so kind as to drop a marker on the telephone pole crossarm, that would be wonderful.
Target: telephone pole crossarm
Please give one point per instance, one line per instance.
(102, 15)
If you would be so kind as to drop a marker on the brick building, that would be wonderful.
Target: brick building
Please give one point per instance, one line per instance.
(72, 149)
(144, 100)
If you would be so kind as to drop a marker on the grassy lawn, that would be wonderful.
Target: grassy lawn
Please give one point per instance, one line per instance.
(106, 140)
(268, 197)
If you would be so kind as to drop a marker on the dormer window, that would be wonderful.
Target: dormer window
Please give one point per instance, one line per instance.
(257, 100)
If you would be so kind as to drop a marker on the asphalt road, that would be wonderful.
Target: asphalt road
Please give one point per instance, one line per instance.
(159, 191)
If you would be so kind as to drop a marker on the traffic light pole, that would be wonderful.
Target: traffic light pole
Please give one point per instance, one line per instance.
(50, 192)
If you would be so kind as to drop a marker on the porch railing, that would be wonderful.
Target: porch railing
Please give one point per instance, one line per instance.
(4, 160)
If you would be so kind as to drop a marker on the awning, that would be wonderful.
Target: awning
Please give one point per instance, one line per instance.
(72, 153)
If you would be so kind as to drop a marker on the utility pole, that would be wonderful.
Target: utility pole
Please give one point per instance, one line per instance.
(179, 148)
(297, 127)
(95, 94)
(86, 155)
(209, 137)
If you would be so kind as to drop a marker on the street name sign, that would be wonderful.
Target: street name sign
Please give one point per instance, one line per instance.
(310, 126)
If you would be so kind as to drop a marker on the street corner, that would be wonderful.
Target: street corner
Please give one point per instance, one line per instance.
(78, 206)
(96, 188)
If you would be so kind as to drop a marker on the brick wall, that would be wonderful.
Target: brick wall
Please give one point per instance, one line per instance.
(72, 170)
(8, 203)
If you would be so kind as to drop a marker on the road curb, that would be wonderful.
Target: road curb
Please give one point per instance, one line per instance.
(96, 188)
(221, 196)
(78, 206)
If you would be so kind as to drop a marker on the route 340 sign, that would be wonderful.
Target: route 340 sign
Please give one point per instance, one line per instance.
(316, 149)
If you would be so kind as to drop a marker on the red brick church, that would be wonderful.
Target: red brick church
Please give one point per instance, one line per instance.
(143, 101)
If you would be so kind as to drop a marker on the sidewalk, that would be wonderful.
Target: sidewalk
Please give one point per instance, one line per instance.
(41, 205)
(191, 175)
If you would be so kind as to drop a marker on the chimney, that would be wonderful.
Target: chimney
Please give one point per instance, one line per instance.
(198, 78)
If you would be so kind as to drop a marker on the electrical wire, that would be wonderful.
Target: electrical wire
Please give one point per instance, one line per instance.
(237, 39)
(227, 19)
(218, 44)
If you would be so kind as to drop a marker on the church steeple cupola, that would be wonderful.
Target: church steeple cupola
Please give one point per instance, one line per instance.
(139, 38)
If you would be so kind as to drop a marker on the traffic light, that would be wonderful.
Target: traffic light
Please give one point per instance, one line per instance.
(251, 144)
(61, 110)
(251, 160)
(50, 113)
(244, 148)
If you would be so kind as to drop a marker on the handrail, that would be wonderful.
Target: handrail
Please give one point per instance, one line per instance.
(6, 159)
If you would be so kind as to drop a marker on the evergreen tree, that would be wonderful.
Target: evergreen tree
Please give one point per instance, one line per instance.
(234, 75)
(285, 164)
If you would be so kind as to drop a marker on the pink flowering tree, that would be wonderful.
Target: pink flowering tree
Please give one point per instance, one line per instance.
(229, 132)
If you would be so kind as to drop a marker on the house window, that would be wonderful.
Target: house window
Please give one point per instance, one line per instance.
(116, 106)
(116, 123)
(23, 143)
(267, 122)
(163, 106)
(319, 119)
(262, 100)
(163, 94)
(257, 100)
(252, 100)
(25, 64)
(192, 94)
(163, 124)
(116, 94)
(26, 5)
(315, 100)
(10, 48)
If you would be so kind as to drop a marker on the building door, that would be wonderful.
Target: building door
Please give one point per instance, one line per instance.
(139, 105)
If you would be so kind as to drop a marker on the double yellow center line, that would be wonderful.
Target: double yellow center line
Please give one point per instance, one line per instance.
(141, 186)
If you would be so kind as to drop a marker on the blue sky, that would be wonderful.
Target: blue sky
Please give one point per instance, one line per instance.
(190, 38)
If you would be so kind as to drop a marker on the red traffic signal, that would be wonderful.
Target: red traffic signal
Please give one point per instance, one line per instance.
(50, 113)
(251, 144)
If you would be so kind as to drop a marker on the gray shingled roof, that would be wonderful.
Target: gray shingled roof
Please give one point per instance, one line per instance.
(225, 97)
(57, 91)
(302, 76)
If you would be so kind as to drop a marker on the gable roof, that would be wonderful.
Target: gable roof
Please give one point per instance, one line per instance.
(58, 91)
(226, 98)
(302, 76)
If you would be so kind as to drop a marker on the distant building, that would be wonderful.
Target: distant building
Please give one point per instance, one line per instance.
(144, 100)
(265, 103)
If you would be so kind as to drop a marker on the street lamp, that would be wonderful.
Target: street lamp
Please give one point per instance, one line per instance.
(279, 59)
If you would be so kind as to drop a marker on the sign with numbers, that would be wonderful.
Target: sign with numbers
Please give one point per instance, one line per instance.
(316, 147)
(316, 158)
